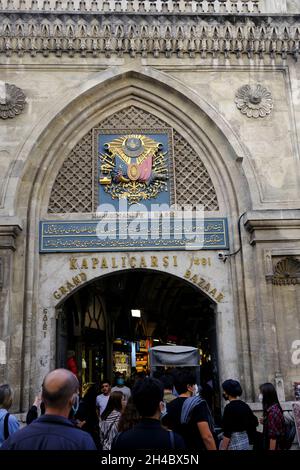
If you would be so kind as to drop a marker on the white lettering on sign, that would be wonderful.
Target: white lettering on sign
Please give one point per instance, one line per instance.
(296, 352)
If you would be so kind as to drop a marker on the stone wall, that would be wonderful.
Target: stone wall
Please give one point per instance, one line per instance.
(77, 71)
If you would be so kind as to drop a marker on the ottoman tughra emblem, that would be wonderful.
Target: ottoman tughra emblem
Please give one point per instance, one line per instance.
(133, 167)
(254, 101)
(12, 100)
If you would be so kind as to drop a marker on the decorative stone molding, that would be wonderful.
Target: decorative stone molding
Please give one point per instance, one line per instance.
(134, 6)
(12, 100)
(287, 272)
(273, 226)
(147, 33)
(254, 101)
(8, 234)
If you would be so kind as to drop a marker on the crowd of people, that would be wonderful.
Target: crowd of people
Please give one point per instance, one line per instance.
(162, 412)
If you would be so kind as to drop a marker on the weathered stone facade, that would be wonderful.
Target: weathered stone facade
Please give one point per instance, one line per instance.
(178, 64)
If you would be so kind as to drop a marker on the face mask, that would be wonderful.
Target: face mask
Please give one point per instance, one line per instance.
(120, 381)
(163, 409)
(260, 398)
(196, 390)
(225, 396)
(75, 405)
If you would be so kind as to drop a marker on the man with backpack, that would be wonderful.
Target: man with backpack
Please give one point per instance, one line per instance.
(8, 423)
(189, 414)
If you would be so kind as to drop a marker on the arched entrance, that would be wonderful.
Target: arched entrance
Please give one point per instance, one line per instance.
(96, 325)
(49, 276)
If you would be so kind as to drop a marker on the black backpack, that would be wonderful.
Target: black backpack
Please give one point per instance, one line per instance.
(290, 432)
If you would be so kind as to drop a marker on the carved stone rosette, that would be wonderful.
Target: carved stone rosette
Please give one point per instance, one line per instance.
(254, 101)
(287, 272)
(12, 100)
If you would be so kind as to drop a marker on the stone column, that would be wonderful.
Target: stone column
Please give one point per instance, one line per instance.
(273, 309)
(10, 328)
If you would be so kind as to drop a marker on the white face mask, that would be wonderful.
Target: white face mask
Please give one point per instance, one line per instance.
(195, 391)
(260, 398)
(163, 409)
(75, 405)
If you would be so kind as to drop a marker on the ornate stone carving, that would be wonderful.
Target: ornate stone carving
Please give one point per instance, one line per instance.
(137, 6)
(254, 101)
(146, 32)
(287, 272)
(72, 190)
(12, 100)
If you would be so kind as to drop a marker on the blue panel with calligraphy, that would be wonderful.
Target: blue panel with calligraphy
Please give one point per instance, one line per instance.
(84, 236)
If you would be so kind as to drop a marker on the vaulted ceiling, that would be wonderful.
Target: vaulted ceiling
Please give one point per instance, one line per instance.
(169, 306)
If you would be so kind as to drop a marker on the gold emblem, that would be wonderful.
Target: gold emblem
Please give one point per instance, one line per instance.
(133, 167)
(133, 172)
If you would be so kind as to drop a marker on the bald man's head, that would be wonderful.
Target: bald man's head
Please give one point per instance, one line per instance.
(58, 388)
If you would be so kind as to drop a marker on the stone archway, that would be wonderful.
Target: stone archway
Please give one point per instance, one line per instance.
(68, 274)
(97, 324)
(149, 90)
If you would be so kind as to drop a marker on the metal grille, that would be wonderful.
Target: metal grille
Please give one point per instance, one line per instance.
(73, 187)
(192, 181)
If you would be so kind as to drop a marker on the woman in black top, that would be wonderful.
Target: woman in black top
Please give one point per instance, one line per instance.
(239, 422)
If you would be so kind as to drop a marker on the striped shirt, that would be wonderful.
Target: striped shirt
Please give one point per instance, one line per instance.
(109, 429)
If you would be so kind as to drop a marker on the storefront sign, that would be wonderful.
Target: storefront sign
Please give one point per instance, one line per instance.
(83, 236)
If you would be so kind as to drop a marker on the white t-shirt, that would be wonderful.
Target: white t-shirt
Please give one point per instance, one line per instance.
(101, 402)
(125, 390)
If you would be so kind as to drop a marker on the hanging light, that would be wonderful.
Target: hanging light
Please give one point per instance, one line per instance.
(136, 313)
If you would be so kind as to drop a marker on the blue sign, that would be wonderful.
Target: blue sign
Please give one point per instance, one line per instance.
(129, 235)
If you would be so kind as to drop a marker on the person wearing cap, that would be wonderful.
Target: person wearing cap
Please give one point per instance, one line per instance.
(239, 422)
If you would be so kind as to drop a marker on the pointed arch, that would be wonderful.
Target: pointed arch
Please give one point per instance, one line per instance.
(153, 90)
(73, 187)
(69, 119)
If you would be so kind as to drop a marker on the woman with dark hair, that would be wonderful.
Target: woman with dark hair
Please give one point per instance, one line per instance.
(110, 419)
(273, 419)
(129, 418)
(86, 417)
(239, 422)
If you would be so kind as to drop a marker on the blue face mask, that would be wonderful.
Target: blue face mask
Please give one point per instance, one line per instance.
(120, 381)
(75, 405)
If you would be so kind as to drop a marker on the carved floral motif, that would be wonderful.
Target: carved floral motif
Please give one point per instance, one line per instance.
(12, 100)
(254, 101)
(287, 272)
